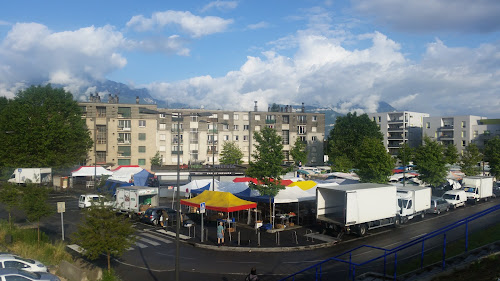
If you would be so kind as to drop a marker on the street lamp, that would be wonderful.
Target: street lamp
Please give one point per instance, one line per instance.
(178, 201)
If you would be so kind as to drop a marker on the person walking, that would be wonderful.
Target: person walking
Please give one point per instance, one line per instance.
(220, 234)
(252, 276)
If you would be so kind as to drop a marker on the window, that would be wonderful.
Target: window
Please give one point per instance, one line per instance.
(142, 123)
(302, 119)
(486, 132)
(163, 126)
(245, 117)
(286, 119)
(257, 117)
(303, 139)
(270, 126)
(101, 111)
(235, 127)
(286, 154)
(101, 157)
(163, 137)
(101, 134)
(476, 133)
(194, 118)
(123, 161)
(141, 162)
(246, 127)
(245, 138)
(315, 118)
(177, 138)
(285, 136)
(463, 124)
(176, 148)
(124, 125)
(225, 116)
(235, 138)
(124, 138)
(464, 143)
(142, 136)
(314, 138)
(163, 115)
(124, 112)
(301, 130)
(124, 151)
(257, 128)
(225, 127)
(236, 116)
(374, 119)
(162, 148)
(379, 119)
(463, 134)
(225, 137)
(314, 129)
(142, 149)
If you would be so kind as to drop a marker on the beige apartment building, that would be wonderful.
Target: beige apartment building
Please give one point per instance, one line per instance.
(131, 134)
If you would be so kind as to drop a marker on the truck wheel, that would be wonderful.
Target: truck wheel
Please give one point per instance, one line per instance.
(397, 222)
(422, 216)
(447, 208)
(438, 212)
(362, 230)
(486, 199)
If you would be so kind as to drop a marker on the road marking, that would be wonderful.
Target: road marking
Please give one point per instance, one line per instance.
(170, 233)
(415, 237)
(294, 262)
(242, 262)
(387, 246)
(169, 255)
(140, 245)
(149, 241)
(166, 241)
(366, 252)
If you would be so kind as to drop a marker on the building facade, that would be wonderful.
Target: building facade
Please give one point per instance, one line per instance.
(131, 134)
(400, 127)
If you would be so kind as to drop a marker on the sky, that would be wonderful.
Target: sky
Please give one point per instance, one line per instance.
(440, 57)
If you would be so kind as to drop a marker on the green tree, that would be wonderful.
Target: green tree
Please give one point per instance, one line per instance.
(103, 232)
(299, 152)
(492, 155)
(405, 154)
(430, 162)
(347, 135)
(266, 166)
(375, 164)
(46, 129)
(342, 163)
(275, 108)
(156, 160)
(451, 154)
(34, 203)
(231, 153)
(9, 196)
(470, 159)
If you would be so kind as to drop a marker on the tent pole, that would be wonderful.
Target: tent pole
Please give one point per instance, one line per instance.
(274, 213)
(298, 212)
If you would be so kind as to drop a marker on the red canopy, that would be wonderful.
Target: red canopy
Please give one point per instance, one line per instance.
(248, 179)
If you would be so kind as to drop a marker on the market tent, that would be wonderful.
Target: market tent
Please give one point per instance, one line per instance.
(197, 186)
(110, 186)
(219, 201)
(141, 178)
(248, 179)
(125, 173)
(90, 171)
(304, 185)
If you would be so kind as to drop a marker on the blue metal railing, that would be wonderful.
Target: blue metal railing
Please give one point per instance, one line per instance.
(394, 251)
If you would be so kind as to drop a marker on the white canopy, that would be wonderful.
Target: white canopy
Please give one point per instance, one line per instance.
(125, 173)
(89, 171)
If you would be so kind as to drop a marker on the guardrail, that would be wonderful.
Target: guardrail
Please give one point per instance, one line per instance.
(317, 268)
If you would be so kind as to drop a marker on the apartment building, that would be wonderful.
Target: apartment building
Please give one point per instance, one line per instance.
(131, 134)
(400, 127)
(461, 130)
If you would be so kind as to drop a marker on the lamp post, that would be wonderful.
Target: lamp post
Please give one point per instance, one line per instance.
(213, 155)
(178, 201)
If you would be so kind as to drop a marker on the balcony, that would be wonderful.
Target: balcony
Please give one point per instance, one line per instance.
(177, 152)
(121, 141)
(447, 127)
(213, 131)
(174, 130)
(269, 121)
(124, 129)
(395, 137)
(395, 120)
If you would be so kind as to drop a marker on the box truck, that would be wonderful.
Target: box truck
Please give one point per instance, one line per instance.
(135, 200)
(478, 188)
(357, 207)
(31, 175)
(413, 201)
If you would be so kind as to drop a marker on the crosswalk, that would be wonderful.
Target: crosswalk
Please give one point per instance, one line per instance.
(146, 239)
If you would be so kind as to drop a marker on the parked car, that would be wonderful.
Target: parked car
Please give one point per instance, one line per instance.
(86, 200)
(438, 205)
(7, 274)
(456, 197)
(152, 215)
(14, 261)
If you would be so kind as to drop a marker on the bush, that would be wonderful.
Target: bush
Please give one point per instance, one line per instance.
(109, 276)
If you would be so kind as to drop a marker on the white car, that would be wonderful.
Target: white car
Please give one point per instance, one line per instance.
(456, 197)
(7, 274)
(16, 262)
(86, 200)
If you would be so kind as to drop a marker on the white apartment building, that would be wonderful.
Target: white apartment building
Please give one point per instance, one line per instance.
(400, 127)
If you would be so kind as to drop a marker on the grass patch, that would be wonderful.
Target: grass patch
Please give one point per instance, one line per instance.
(25, 243)
(453, 248)
(485, 269)
(109, 276)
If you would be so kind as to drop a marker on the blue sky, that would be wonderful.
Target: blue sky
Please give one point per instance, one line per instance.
(438, 56)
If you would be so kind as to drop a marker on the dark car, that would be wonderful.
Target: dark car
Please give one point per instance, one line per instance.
(152, 215)
(438, 205)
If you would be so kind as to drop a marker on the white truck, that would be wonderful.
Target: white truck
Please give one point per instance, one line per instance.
(135, 200)
(357, 207)
(31, 175)
(478, 188)
(413, 201)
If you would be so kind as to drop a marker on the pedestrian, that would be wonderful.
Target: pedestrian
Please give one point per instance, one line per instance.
(220, 234)
(164, 215)
(252, 276)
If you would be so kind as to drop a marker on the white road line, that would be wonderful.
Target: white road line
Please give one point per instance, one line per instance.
(140, 245)
(366, 252)
(166, 241)
(242, 262)
(294, 262)
(414, 237)
(169, 255)
(387, 246)
(149, 241)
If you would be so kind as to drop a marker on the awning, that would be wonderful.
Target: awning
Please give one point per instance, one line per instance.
(89, 171)
(304, 185)
(219, 201)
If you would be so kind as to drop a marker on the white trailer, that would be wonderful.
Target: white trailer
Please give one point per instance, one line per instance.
(357, 207)
(135, 200)
(31, 175)
(478, 187)
(413, 201)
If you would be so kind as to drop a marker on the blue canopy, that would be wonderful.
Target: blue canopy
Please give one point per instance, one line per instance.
(141, 178)
(200, 190)
(111, 185)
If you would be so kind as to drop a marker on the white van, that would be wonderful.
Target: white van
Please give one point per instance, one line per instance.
(456, 197)
(86, 200)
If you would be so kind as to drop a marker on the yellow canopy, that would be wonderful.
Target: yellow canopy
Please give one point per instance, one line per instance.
(304, 185)
(219, 201)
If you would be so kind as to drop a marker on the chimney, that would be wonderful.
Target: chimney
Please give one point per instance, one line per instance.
(91, 98)
(110, 98)
(303, 108)
(137, 99)
(255, 107)
(116, 98)
(98, 98)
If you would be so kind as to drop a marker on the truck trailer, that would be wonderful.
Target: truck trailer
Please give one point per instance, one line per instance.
(413, 201)
(135, 200)
(478, 188)
(357, 207)
(31, 175)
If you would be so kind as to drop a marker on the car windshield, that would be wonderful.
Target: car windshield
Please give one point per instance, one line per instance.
(470, 189)
(29, 274)
(449, 196)
(441, 201)
(26, 260)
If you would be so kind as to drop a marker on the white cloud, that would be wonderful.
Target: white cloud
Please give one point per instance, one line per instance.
(431, 16)
(404, 101)
(4, 23)
(259, 25)
(194, 25)
(220, 5)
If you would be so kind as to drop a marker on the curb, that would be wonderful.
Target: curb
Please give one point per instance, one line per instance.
(258, 249)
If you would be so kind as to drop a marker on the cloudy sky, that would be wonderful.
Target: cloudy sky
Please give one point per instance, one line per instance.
(437, 56)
